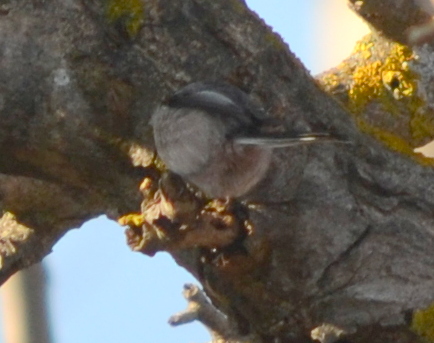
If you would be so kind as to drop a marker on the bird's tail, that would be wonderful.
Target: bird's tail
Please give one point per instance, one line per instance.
(286, 141)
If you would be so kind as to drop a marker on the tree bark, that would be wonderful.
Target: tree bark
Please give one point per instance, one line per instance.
(336, 233)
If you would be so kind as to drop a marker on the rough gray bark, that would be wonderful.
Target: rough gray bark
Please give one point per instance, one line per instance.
(338, 234)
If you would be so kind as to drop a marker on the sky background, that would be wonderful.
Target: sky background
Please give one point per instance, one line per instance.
(100, 291)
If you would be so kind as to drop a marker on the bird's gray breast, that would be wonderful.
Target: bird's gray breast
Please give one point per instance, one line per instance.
(186, 139)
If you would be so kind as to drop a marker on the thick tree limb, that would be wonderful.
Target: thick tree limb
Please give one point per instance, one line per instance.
(338, 234)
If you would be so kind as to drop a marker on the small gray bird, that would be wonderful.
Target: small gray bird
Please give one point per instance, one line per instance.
(212, 135)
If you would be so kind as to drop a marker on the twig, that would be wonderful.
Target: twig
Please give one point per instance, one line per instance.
(200, 308)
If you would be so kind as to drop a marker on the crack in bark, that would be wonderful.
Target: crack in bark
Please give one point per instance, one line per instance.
(341, 259)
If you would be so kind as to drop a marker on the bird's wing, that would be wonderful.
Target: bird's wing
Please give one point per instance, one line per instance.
(223, 100)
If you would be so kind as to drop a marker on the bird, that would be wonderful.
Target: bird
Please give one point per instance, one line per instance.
(213, 135)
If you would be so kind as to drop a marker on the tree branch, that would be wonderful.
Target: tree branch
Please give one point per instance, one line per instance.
(199, 308)
(338, 234)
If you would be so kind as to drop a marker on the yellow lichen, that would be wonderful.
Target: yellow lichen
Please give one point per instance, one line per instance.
(237, 6)
(385, 81)
(395, 142)
(423, 323)
(422, 124)
(130, 11)
(132, 219)
(330, 81)
(383, 77)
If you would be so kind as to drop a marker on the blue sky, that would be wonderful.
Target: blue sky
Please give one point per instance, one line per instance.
(100, 291)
